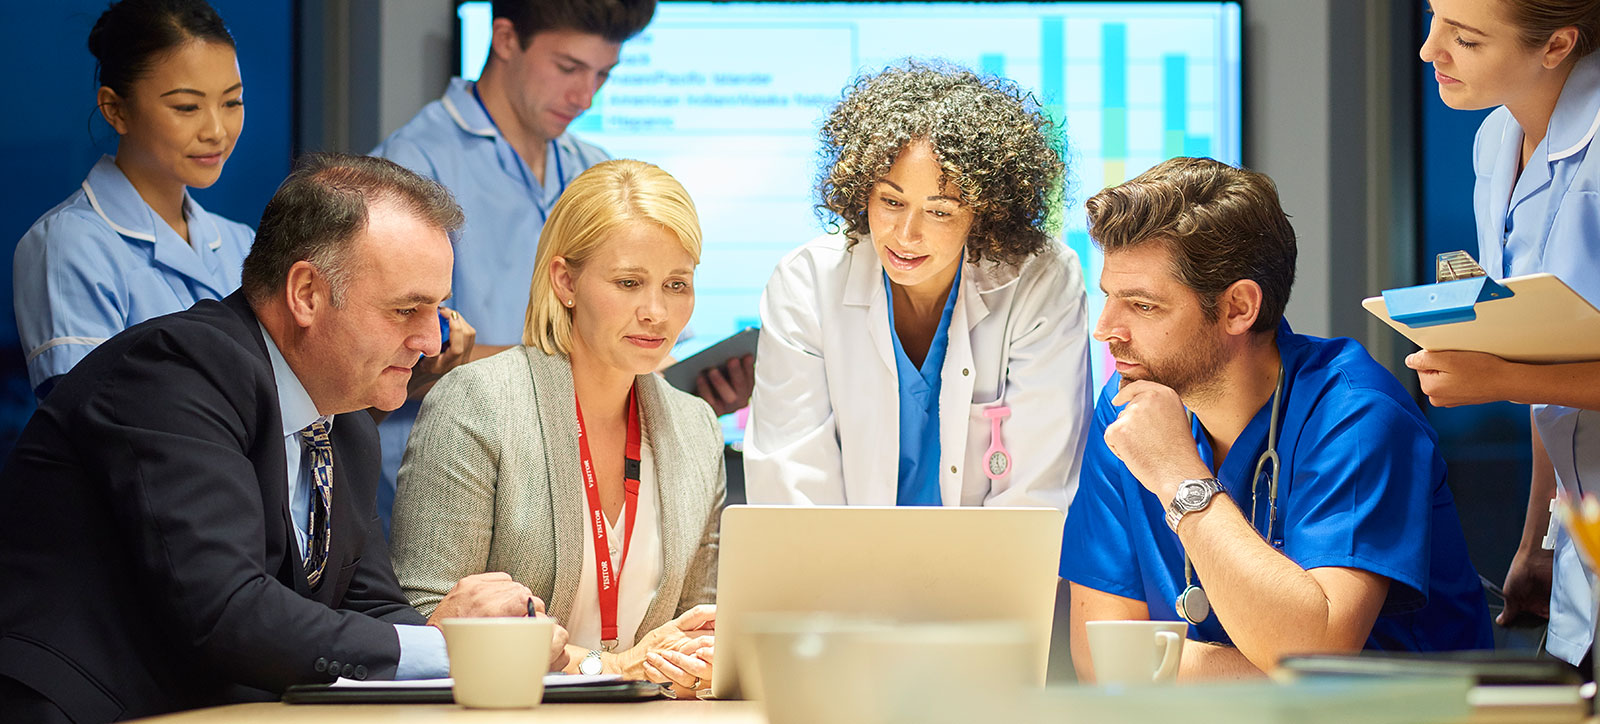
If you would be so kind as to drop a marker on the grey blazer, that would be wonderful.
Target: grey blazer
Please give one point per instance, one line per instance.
(490, 482)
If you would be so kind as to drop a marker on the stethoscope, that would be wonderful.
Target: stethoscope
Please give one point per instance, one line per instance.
(1192, 604)
(555, 153)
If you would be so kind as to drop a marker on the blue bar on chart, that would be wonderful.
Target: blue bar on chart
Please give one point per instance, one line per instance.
(1079, 241)
(1052, 67)
(992, 64)
(1174, 104)
(1197, 146)
(1114, 106)
(592, 120)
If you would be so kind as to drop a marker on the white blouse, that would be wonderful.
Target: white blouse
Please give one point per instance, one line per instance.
(641, 573)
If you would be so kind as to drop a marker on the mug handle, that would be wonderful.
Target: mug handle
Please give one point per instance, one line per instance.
(1172, 644)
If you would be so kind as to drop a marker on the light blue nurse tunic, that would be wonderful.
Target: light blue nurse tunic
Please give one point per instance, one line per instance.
(454, 141)
(103, 261)
(1548, 220)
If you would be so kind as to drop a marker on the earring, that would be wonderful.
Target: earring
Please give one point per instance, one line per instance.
(569, 302)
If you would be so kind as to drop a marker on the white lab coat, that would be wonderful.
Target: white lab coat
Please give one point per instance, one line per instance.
(824, 417)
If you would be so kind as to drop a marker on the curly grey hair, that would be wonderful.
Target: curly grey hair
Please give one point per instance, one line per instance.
(991, 138)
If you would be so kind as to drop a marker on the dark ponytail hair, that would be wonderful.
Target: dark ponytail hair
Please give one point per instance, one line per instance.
(131, 33)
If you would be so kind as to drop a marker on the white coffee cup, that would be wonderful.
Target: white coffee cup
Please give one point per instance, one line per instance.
(819, 668)
(498, 663)
(1136, 652)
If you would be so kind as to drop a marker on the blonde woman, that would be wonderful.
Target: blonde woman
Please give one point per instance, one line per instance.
(512, 456)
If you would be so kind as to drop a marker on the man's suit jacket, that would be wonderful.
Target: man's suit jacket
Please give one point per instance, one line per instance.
(147, 556)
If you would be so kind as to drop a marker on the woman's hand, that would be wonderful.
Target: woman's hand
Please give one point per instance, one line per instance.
(669, 653)
(1462, 378)
(688, 673)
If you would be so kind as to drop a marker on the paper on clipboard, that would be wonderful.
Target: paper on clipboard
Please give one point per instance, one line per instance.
(1533, 318)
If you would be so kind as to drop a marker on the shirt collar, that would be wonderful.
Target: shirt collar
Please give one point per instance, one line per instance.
(1577, 113)
(115, 199)
(294, 403)
(464, 108)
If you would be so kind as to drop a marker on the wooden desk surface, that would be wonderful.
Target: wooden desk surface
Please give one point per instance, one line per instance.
(715, 712)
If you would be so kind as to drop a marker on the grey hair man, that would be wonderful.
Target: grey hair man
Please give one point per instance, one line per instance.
(191, 511)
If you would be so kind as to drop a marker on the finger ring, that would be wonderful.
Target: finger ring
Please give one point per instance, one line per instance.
(695, 686)
(454, 315)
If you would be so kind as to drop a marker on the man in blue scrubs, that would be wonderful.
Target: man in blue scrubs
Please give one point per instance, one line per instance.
(1361, 546)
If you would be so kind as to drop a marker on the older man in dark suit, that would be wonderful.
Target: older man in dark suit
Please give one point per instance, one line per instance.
(189, 518)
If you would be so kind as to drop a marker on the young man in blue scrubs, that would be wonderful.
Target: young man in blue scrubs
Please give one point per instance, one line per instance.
(1360, 547)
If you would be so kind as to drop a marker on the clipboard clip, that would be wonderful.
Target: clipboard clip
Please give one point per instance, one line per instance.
(1462, 284)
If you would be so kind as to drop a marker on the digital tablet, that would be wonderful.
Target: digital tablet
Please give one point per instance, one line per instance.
(684, 374)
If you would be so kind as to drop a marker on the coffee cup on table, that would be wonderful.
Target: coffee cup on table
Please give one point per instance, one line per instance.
(498, 663)
(1136, 652)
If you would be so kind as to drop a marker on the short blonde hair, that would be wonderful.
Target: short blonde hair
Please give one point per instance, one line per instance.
(599, 201)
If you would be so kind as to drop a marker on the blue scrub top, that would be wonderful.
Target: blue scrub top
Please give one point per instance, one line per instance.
(1548, 220)
(454, 141)
(919, 406)
(103, 261)
(1362, 486)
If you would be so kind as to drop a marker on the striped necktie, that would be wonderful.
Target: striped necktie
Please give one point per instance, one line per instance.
(320, 447)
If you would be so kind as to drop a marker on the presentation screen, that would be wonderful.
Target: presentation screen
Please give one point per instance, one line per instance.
(728, 97)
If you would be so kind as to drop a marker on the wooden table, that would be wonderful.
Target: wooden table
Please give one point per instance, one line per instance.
(709, 711)
(715, 712)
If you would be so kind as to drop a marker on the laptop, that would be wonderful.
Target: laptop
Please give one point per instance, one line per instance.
(910, 564)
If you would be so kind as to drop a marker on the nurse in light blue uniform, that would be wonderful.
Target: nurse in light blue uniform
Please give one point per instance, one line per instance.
(103, 261)
(1537, 205)
(130, 243)
(501, 146)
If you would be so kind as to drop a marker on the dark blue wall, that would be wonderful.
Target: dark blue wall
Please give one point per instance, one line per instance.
(52, 135)
(1486, 446)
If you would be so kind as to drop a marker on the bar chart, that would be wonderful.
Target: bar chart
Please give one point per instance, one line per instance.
(728, 97)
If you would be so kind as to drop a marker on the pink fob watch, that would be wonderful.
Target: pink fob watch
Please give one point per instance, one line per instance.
(997, 461)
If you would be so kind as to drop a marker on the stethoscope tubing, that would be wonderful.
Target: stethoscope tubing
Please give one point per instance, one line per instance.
(1271, 454)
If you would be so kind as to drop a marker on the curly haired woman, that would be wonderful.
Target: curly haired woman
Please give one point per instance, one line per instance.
(938, 339)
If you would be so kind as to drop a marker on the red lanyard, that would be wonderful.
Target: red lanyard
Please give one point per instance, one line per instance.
(607, 579)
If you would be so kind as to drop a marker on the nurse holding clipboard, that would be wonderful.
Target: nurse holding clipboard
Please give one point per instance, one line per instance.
(130, 243)
(1537, 204)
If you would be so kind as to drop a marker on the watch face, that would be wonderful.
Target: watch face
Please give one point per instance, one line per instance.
(998, 463)
(1192, 493)
(590, 665)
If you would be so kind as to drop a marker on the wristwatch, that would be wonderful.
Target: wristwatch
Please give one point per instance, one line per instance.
(1192, 495)
(590, 665)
